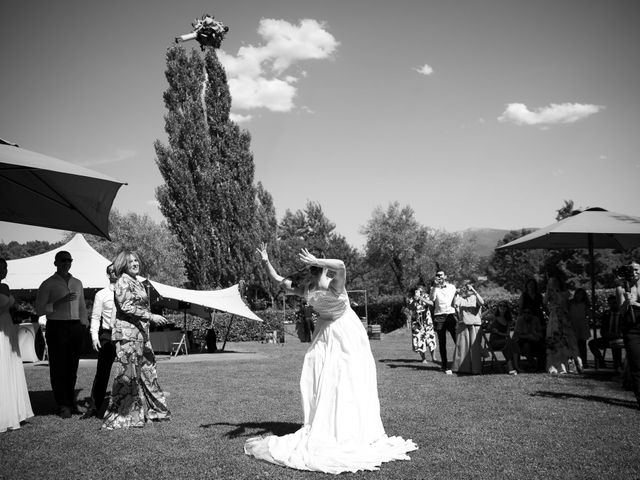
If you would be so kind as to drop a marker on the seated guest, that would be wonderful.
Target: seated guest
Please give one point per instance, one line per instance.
(529, 340)
(500, 336)
(610, 336)
(467, 356)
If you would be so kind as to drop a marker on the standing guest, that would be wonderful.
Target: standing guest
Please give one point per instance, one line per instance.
(500, 336)
(15, 406)
(444, 319)
(136, 396)
(61, 298)
(102, 318)
(610, 336)
(561, 340)
(579, 307)
(423, 337)
(628, 298)
(531, 304)
(531, 301)
(467, 357)
(342, 429)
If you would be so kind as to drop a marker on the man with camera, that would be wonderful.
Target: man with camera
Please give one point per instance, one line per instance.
(629, 306)
(444, 314)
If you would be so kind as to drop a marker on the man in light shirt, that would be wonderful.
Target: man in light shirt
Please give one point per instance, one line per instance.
(61, 298)
(102, 317)
(444, 315)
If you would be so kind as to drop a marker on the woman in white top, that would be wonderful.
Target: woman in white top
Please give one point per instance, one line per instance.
(15, 405)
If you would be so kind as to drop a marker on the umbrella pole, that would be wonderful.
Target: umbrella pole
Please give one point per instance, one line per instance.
(593, 289)
(183, 340)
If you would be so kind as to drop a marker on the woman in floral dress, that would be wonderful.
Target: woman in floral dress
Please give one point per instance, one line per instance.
(136, 396)
(423, 336)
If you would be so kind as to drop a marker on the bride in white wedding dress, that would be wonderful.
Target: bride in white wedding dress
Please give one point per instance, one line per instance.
(342, 429)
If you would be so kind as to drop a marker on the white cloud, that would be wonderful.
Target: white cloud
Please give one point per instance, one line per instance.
(424, 70)
(555, 113)
(237, 118)
(154, 203)
(255, 92)
(120, 155)
(255, 73)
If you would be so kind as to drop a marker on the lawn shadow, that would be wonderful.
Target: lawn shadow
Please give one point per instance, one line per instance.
(254, 429)
(44, 403)
(591, 398)
(412, 364)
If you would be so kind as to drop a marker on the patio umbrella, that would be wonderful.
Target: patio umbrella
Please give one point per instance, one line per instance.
(39, 190)
(593, 228)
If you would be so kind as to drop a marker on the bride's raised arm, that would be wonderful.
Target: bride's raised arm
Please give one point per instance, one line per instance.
(275, 276)
(339, 281)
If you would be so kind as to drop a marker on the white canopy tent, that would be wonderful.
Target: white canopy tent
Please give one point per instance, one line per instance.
(88, 266)
(202, 302)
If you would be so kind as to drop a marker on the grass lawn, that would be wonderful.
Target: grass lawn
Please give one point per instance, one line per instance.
(492, 426)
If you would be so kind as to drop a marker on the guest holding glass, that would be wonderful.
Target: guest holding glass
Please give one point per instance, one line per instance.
(136, 396)
(444, 315)
(61, 298)
(15, 406)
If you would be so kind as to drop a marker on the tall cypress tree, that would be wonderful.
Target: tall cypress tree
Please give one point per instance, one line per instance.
(208, 197)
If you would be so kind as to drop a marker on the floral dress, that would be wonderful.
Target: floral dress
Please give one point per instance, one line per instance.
(136, 396)
(423, 337)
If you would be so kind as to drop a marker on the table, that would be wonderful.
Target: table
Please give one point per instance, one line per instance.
(163, 341)
(27, 341)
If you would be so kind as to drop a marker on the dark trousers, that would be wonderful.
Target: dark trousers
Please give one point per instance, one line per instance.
(443, 324)
(64, 343)
(106, 355)
(632, 345)
(600, 343)
(582, 351)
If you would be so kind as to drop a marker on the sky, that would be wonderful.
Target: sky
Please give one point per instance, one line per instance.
(477, 114)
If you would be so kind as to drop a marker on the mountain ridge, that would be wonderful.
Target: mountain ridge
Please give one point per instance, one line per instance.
(485, 239)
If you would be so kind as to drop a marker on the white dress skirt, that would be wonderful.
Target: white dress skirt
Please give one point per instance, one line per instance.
(15, 405)
(342, 429)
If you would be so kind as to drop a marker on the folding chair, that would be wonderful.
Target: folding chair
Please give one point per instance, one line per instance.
(487, 351)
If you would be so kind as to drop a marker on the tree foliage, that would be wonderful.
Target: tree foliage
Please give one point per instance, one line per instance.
(14, 250)
(208, 196)
(511, 268)
(401, 252)
(160, 253)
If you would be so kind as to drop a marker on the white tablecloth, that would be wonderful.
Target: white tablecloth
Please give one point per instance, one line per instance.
(163, 341)
(27, 341)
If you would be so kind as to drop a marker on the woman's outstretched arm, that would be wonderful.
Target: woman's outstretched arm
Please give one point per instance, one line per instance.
(339, 280)
(275, 276)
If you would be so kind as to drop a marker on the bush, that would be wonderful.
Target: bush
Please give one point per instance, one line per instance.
(240, 330)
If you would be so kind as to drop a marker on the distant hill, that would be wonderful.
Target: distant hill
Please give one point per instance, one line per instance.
(486, 239)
